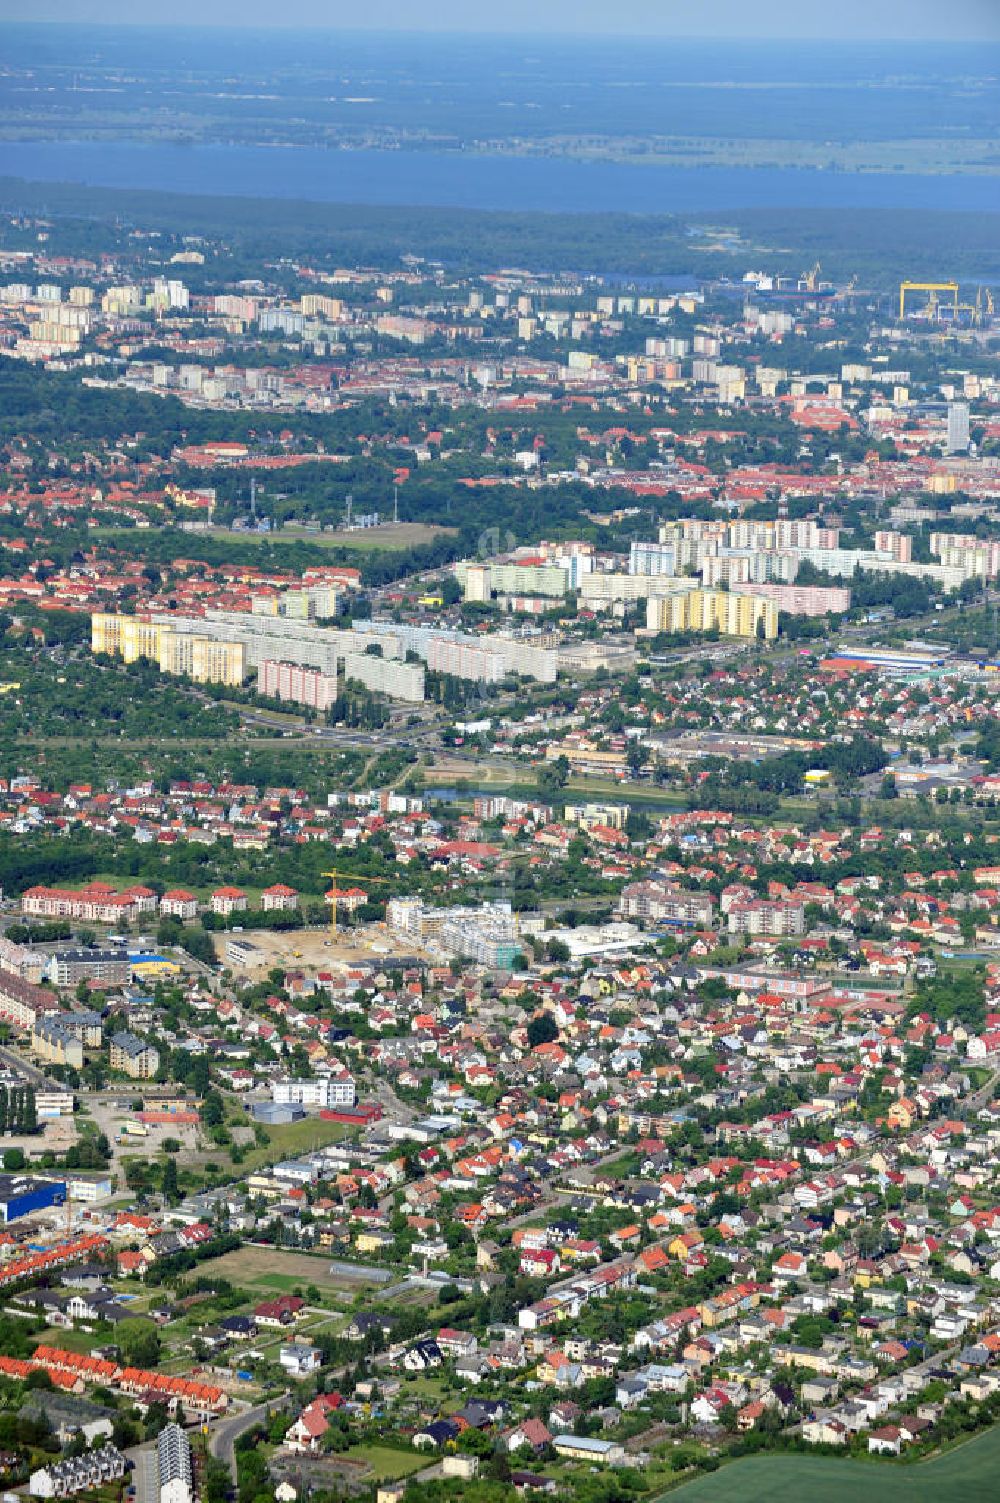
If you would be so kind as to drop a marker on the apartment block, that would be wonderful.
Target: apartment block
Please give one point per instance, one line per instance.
(783, 533)
(979, 556)
(805, 600)
(315, 305)
(661, 902)
(488, 935)
(777, 920)
(652, 560)
(22, 1003)
(732, 615)
(897, 545)
(597, 816)
(200, 657)
(733, 567)
(218, 662)
(133, 1055)
(403, 681)
(52, 1042)
(301, 686)
(174, 1472)
(69, 967)
(604, 591)
(103, 1468)
(95, 904)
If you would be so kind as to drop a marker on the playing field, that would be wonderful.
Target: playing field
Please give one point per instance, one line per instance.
(388, 536)
(272, 1270)
(970, 1473)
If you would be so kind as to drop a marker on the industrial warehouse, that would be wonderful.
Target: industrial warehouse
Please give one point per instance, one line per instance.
(21, 1194)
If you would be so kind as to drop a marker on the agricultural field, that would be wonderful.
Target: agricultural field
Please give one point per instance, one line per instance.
(970, 1473)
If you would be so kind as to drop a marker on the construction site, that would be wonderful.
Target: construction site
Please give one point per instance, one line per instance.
(303, 949)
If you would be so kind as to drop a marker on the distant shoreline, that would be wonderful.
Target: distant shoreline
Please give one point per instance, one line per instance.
(505, 183)
(912, 157)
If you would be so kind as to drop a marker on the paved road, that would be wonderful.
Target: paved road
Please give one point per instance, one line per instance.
(986, 1093)
(384, 1093)
(19, 1062)
(557, 1196)
(224, 1434)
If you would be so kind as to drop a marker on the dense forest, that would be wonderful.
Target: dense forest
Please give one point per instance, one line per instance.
(879, 245)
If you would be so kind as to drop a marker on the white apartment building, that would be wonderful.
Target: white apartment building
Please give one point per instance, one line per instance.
(771, 920)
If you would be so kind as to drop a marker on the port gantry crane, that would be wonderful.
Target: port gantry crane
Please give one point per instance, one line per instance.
(932, 289)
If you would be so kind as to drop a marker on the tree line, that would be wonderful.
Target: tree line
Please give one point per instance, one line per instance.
(18, 1114)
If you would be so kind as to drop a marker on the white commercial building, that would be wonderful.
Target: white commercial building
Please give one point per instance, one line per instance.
(324, 1092)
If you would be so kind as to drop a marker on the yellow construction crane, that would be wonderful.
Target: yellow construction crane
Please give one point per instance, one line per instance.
(932, 289)
(332, 894)
(810, 279)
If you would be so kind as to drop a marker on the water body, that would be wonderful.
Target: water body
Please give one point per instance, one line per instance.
(467, 103)
(431, 179)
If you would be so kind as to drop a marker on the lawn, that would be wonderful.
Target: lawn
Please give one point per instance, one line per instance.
(111, 1492)
(430, 1390)
(387, 1464)
(68, 1340)
(971, 1472)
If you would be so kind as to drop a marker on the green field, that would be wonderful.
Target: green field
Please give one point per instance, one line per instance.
(386, 1464)
(69, 1341)
(257, 1268)
(389, 537)
(968, 1474)
(285, 1282)
(289, 1138)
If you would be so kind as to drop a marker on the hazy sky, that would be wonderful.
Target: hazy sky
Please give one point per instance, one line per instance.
(913, 19)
